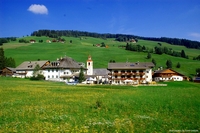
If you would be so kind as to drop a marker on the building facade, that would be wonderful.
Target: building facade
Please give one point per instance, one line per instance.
(63, 70)
(168, 75)
(26, 69)
(130, 73)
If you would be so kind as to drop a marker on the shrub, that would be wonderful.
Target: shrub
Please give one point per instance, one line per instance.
(38, 77)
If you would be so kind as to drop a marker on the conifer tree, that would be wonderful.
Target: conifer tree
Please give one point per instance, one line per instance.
(81, 76)
(2, 59)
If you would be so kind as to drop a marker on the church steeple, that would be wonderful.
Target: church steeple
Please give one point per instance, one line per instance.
(89, 66)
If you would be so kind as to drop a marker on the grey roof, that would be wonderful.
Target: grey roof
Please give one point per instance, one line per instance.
(66, 62)
(12, 69)
(100, 71)
(30, 65)
(129, 65)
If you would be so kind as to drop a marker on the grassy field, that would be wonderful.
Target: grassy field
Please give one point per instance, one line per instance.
(79, 50)
(40, 106)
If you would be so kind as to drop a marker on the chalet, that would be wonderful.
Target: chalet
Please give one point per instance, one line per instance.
(32, 41)
(168, 75)
(26, 68)
(62, 70)
(130, 73)
(8, 71)
(48, 41)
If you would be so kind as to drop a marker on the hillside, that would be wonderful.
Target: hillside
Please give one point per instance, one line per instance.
(80, 48)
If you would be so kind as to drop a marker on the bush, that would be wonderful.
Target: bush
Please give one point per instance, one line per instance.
(38, 77)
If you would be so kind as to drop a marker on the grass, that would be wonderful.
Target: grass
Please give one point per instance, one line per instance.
(38, 106)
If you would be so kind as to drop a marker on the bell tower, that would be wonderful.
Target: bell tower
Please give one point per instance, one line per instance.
(89, 66)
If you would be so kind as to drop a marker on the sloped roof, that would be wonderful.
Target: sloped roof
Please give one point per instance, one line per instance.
(100, 72)
(30, 65)
(170, 71)
(129, 65)
(11, 69)
(66, 62)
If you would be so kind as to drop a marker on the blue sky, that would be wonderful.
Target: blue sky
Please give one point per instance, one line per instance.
(148, 18)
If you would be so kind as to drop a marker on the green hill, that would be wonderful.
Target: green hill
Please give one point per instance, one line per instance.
(80, 48)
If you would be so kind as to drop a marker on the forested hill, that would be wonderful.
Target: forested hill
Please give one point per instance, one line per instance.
(119, 37)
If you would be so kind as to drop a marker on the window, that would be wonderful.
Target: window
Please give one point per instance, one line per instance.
(56, 70)
(52, 70)
(56, 76)
(52, 76)
(48, 70)
(48, 76)
(147, 71)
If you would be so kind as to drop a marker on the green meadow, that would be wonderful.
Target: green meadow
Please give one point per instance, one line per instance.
(80, 48)
(41, 106)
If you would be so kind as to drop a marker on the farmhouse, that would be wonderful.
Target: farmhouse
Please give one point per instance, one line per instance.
(26, 68)
(8, 71)
(130, 73)
(168, 75)
(32, 41)
(62, 70)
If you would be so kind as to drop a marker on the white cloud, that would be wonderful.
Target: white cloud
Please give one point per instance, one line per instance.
(38, 9)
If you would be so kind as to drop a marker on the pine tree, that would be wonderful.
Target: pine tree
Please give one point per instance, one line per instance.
(169, 64)
(178, 65)
(2, 59)
(81, 76)
(183, 54)
(148, 56)
(10, 62)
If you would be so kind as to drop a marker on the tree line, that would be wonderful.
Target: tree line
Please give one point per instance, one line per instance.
(118, 37)
(7, 39)
(157, 50)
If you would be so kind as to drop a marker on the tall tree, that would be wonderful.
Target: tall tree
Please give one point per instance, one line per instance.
(2, 59)
(81, 76)
(10, 62)
(148, 56)
(183, 54)
(169, 64)
(178, 65)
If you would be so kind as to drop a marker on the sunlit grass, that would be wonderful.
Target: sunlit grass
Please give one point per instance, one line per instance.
(39, 106)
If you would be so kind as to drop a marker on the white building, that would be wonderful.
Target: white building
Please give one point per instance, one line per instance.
(168, 75)
(26, 69)
(64, 69)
